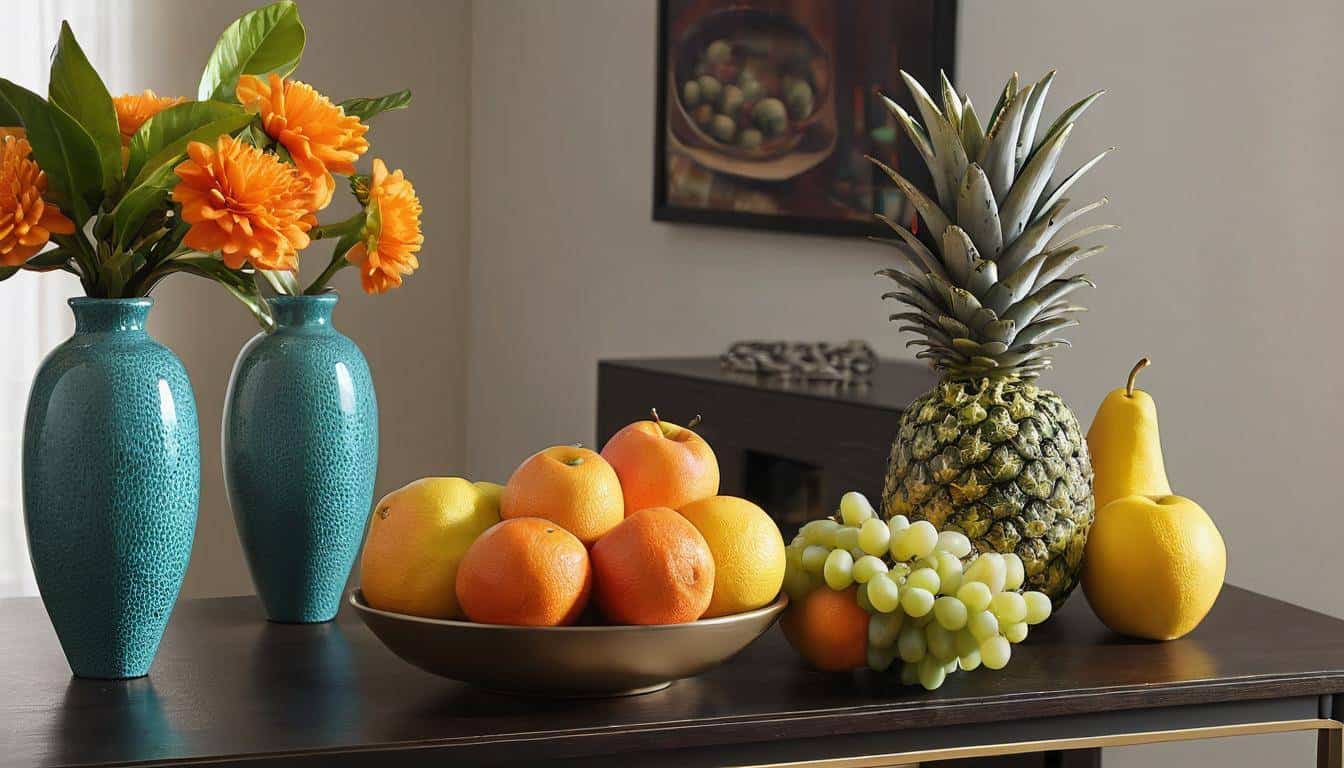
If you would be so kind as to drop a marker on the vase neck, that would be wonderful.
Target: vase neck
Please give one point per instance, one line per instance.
(303, 311)
(110, 315)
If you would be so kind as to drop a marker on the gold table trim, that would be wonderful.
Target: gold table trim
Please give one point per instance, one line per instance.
(1328, 730)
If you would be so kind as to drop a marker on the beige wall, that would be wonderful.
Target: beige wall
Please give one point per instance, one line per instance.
(1225, 114)
(415, 338)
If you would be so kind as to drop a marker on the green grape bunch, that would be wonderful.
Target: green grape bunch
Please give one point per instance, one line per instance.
(932, 606)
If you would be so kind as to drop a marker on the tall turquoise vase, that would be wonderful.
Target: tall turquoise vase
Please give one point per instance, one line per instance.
(111, 481)
(300, 454)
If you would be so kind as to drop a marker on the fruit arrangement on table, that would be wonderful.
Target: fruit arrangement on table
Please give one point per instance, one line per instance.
(577, 548)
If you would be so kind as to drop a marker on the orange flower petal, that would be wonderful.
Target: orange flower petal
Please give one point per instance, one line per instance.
(392, 232)
(27, 220)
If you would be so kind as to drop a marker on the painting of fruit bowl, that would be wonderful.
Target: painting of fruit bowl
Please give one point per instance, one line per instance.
(749, 83)
(765, 115)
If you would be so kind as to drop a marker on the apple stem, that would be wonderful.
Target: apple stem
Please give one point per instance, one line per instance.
(693, 423)
(1134, 374)
(654, 412)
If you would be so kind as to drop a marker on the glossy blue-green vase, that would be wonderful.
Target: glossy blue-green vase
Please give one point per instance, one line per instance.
(111, 481)
(300, 446)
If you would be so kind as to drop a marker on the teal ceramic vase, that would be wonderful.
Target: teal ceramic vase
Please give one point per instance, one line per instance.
(300, 447)
(111, 481)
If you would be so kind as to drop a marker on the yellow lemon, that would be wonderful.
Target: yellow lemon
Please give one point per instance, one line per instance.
(417, 537)
(1153, 566)
(748, 552)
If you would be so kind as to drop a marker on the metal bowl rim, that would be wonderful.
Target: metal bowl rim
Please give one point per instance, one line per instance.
(356, 599)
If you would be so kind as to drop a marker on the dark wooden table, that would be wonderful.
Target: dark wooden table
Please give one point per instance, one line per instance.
(229, 689)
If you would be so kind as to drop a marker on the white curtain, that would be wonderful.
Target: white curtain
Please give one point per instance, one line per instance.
(33, 315)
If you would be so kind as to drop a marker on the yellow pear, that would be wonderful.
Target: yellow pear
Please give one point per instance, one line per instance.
(417, 537)
(1126, 451)
(1153, 566)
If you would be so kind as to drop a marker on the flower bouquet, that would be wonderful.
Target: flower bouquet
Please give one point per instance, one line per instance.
(123, 192)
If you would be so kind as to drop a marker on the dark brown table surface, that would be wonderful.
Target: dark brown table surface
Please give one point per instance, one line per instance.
(229, 688)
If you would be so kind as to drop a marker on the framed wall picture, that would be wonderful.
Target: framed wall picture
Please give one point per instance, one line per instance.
(766, 109)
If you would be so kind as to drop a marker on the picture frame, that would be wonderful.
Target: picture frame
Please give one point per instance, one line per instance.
(827, 189)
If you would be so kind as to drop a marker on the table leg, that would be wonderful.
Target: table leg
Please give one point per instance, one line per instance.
(1328, 748)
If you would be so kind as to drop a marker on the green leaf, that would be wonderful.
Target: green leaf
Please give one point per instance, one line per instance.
(78, 90)
(149, 191)
(239, 284)
(367, 108)
(266, 40)
(8, 117)
(172, 124)
(55, 258)
(8, 272)
(62, 148)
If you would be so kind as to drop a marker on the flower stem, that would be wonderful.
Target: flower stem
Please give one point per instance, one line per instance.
(338, 263)
(339, 229)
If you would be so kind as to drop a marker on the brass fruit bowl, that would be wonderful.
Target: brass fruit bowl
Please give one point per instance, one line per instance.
(567, 661)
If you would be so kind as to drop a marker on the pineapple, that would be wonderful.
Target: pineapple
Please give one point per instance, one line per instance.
(987, 452)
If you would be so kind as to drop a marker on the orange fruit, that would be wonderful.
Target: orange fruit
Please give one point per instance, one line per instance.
(526, 572)
(653, 568)
(748, 552)
(662, 465)
(570, 486)
(829, 629)
(417, 537)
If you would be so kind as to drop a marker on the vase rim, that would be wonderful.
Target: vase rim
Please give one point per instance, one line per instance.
(135, 301)
(326, 297)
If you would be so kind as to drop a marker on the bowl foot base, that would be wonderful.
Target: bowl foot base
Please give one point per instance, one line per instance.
(578, 694)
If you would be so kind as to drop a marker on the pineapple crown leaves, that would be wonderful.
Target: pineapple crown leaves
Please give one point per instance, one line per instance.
(993, 288)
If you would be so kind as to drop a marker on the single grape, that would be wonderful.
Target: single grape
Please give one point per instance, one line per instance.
(820, 532)
(839, 569)
(883, 628)
(1014, 572)
(988, 569)
(867, 567)
(793, 554)
(1016, 632)
(910, 643)
(965, 642)
(950, 612)
(883, 593)
(940, 642)
(874, 537)
(970, 661)
(846, 538)
(898, 523)
(909, 674)
(954, 543)
(880, 659)
(814, 557)
(921, 537)
(995, 652)
(983, 625)
(797, 583)
(923, 578)
(949, 573)
(1038, 607)
(931, 674)
(916, 601)
(975, 595)
(854, 508)
(1009, 607)
(861, 597)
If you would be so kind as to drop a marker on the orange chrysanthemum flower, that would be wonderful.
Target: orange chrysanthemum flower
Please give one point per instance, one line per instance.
(133, 109)
(15, 131)
(244, 203)
(320, 137)
(391, 235)
(27, 221)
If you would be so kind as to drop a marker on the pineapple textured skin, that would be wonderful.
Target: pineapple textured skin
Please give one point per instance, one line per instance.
(1005, 463)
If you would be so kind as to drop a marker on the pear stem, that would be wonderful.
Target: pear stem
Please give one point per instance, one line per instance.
(1134, 374)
